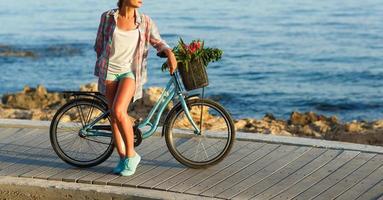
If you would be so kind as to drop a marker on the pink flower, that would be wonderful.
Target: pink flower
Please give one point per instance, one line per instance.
(194, 46)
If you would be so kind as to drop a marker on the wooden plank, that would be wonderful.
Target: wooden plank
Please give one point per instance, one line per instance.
(242, 163)
(59, 166)
(16, 141)
(318, 175)
(334, 177)
(5, 133)
(10, 153)
(75, 170)
(72, 175)
(43, 172)
(174, 171)
(151, 145)
(23, 154)
(165, 159)
(50, 160)
(363, 186)
(273, 178)
(38, 156)
(38, 161)
(14, 137)
(349, 181)
(50, 163)
(258, 172)
(15, 166)
(240, 150)
(376, 192)
(52, 171)
(75, 176)
(154, 176)
(299, 174)
(159, 169)
(148, 151)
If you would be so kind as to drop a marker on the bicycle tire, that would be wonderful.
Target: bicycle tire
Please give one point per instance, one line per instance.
(167, 131)
(62, 154)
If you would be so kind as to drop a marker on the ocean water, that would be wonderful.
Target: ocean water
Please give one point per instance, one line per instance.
(280, 56)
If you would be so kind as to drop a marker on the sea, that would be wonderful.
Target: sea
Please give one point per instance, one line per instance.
(279, 56)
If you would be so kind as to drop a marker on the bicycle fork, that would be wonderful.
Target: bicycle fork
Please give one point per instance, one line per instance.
(197, 131)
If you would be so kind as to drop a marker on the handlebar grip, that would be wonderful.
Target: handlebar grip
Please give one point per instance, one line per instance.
(161, 54)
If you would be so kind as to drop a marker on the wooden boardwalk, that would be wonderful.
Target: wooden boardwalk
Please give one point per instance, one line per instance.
(253, 170)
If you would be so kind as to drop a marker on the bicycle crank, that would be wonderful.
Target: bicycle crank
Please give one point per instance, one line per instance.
(137, 135)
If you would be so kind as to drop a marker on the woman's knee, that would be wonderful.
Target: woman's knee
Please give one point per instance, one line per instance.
(119, 113)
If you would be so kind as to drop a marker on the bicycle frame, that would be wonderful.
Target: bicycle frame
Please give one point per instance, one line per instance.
(166, 96)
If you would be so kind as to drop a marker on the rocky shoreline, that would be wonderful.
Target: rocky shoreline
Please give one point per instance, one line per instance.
(39, 104)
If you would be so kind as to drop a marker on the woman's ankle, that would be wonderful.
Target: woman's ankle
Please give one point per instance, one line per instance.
(131, 155)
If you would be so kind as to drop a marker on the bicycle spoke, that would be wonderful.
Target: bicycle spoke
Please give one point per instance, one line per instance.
(96, 141)
(204, 150)
(70, 129)
(196, 153)
(90, 146)
(81, 116)
(89, 114)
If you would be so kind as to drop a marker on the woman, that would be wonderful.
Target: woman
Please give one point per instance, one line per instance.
(121, 46)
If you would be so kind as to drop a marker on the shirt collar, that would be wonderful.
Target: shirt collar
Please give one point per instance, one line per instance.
(114, 12)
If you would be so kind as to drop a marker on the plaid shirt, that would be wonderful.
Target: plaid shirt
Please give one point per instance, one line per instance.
(148, 34)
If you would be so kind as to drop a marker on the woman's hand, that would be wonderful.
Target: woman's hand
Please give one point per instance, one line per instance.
(172, 61)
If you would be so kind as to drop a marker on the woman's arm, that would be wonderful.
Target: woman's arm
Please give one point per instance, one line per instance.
(99, 38)
(157, 42)
(172, 61)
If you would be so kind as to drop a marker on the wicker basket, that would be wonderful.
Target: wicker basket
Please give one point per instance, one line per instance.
(195, 77)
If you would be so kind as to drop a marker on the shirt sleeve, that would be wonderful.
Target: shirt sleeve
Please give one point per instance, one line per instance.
(99, 38)
(155, 38)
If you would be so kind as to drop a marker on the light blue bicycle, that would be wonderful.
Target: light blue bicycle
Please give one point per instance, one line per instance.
(199, 132)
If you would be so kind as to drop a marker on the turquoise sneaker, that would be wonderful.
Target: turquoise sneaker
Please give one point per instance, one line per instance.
(119, 167)
(131, 165)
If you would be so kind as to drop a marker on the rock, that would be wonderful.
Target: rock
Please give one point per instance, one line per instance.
(334, 120)
(321, 127)
(26, 89)
(41, 92)
(377, 124)
(309, 131)
(240, 124)
(32, 98)
(306, 130)
(297, 118)
(90, 87)
(354, 127)
(312, 117)
(269, 117)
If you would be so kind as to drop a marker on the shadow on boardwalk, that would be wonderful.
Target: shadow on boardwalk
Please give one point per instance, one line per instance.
(252, 170)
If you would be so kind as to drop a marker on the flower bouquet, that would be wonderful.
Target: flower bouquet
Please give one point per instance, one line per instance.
(192, 59)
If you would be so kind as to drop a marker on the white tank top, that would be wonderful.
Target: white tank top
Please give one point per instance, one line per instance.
(124, 45)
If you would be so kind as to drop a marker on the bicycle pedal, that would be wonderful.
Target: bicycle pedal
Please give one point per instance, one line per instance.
(137, 121)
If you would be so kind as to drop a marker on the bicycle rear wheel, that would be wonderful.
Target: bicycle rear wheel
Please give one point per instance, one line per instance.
(71, 143)
(214, 142)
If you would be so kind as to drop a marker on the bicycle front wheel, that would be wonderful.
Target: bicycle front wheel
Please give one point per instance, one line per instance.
(204, 149)
(76, 146)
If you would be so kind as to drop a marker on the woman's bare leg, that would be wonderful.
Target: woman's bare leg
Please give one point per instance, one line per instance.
(111, 89)
(123, 97)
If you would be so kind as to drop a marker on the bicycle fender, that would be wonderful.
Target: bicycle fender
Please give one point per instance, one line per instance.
(89, 95)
